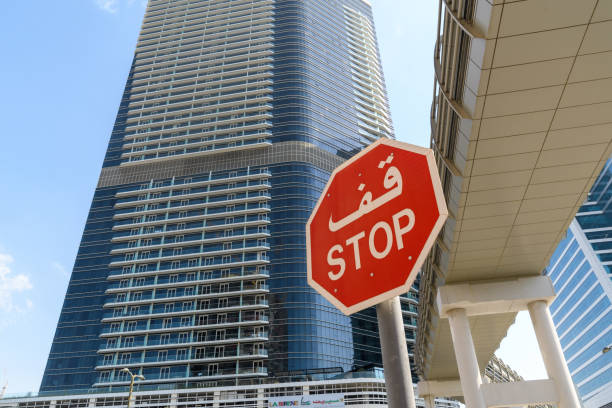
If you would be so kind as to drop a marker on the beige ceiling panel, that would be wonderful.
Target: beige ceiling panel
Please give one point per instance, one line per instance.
(597, 38)
(487, 210)
(528, 76)
(541, 249)
(502, 146)
(560, 173)
(467, 236)
(603, 11)
(585, 93)
(592, 66)
(536, 228)
(559, 214)
(571, 155)
(491, 181)
(504, 164)
(518, 102)
(487, 222)
(515, 124)
(526, 16)
(496, 196)
(484, 244)
(541, 46)
(488, 256)
(537, 204)
(533, 239)
(578, 136)
(583, 115)
(555, 189)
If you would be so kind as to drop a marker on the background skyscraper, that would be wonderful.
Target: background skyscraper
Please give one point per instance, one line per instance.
(581, 271)
(191, 268)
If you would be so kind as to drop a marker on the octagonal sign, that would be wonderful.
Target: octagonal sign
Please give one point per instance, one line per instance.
(374, 225)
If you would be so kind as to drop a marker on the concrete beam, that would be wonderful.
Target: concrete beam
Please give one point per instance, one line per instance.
(520, 393)
(493, 297)
(450, 388)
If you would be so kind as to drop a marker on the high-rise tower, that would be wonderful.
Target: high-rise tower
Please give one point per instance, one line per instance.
(191, 269)
(581, 271)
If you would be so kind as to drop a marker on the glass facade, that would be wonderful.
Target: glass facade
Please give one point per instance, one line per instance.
(191, 270)
(582, 311)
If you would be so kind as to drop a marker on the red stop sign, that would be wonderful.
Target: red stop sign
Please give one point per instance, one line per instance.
(374, 225)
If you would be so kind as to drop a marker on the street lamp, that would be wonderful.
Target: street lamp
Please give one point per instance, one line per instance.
(606, 349)
(133, 377)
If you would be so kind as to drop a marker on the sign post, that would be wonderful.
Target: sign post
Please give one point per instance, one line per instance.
(367, 237)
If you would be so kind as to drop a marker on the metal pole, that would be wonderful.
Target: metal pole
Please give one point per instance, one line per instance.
(131, 388)
(398, 379)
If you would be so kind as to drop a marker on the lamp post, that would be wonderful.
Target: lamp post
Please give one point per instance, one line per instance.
(133, 377)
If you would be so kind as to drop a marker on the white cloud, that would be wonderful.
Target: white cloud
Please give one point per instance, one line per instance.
(58, 267)
(111, 6)
(10, 284)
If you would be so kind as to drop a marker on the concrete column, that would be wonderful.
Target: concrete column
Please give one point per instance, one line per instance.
(552, 354)
(469, 373)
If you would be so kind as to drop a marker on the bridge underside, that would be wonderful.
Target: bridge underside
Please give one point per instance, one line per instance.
(521, 126)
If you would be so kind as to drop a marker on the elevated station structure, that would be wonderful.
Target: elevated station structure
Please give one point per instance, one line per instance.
(521, 124)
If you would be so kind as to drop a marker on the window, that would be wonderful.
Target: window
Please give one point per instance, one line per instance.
(130, 326)
(182, 214)
(204, 304)
(146, 242)
(136, 296)
(171, 293)
(230, 208)
(111, 343)
(139, 282)
(128, 342)
(177, 251)
(181, 226)
(219, 351)
(222, 318)
(185, 321)
(209, 261)
(175, 264)
(200, 353)
(134, 231)
(258, 366)
(213, 369)
(162, 355)
(187, 305)
(181, 354)
(231, 197)
(164, 339)
(220, 335)
(200, 337)
(259, 349)
(204, 289)
(166, 323)
(224, 287)
(223, 302)
(191, 276)
(164, 372)
(203, 321)
(192, 262)
(120, 297)
(169, 308)
(227, 246)
(130, 256)
(225, 273)
(228, 233)
(184, 202)
(114, 327)
(229, 220)
(179, 238)
(189, 291)
(134, 310)
(142, 268)
(207, 275)
(145, 254)
(105, 376)
(226, 259)
(108, 360)
(132, 244)
(124, 283)
(173, 278)
(183, 337)
(125, 358)
(233, 174)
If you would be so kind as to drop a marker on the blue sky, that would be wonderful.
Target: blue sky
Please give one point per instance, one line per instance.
(64, 67)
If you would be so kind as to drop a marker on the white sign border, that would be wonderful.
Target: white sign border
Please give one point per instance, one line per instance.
(442, 209)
